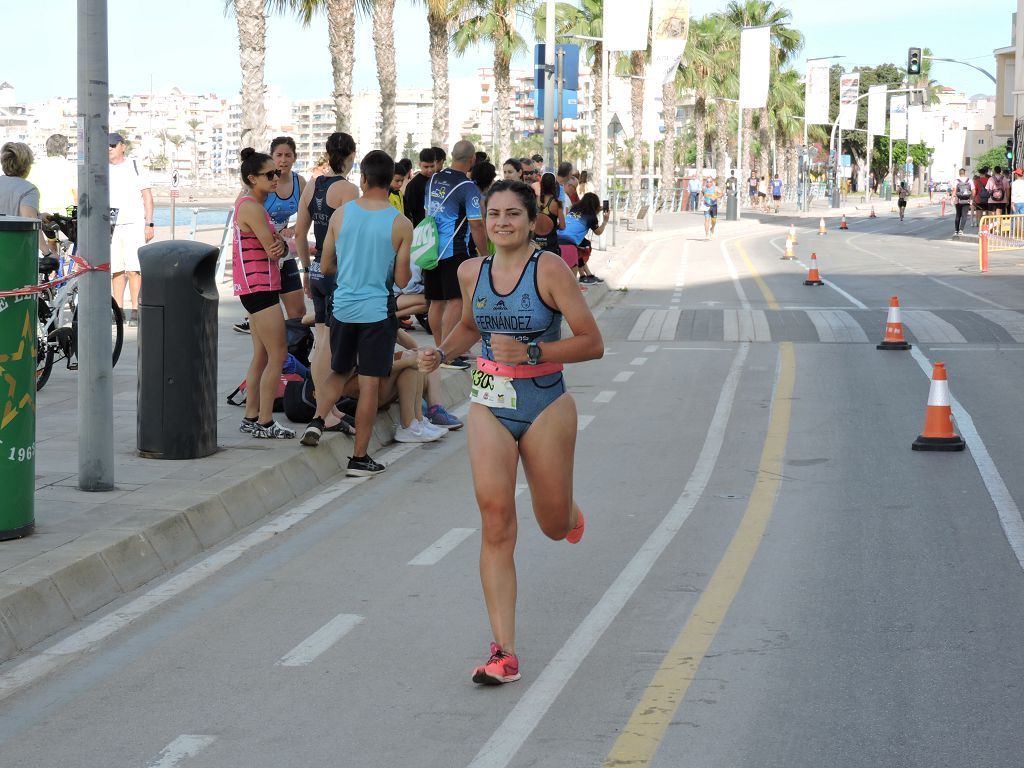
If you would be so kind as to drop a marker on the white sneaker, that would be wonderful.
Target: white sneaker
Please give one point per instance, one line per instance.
(431, 429)
(413, 434)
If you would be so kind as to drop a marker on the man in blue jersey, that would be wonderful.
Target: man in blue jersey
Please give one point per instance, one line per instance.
(454, 201)
(367, 247)
(777, 192)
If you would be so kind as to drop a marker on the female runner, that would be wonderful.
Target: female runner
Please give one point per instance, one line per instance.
(282, 205)
(514, 301)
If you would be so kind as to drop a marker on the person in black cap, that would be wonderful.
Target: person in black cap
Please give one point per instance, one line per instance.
(131, 195)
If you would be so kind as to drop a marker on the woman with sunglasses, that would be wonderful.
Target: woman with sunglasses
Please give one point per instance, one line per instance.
(282, 204)
(256, 273)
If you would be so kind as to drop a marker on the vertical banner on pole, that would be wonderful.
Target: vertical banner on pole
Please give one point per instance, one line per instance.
(849, 90)
(669, 29)
(816, 93)
(755, 64)
(876, 110)
(915, 118)
(627, 25)
(897, 117)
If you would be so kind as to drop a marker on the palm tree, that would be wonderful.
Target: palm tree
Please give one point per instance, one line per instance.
(252, 50)
(495, 21)
(177, 141)
(194, 124)
(387, 73)
(341, 27)
(786, 42)
(586, 21)
(709, 70)
(441, 16)
(786, 104)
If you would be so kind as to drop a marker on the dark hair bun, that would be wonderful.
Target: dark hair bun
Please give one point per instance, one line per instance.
(339, 147)
(246, 153)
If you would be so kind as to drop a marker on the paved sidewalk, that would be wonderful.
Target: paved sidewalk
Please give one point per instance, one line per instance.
(90, 548)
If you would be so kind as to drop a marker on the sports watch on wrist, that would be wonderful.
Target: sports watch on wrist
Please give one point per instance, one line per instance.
(442, 355)
(532, 353)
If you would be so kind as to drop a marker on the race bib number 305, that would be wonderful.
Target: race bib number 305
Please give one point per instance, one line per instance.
(492, 391)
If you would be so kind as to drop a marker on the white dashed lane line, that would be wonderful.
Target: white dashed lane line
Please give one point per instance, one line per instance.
(321, 640)
(638, 361)
(604, 396)
(181, 748)
(433, 554)
(623, 377)
(583, 421)
(650, 348)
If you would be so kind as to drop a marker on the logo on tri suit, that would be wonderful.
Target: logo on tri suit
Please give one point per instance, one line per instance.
(481, 302)
(501, 306)
(524, 301)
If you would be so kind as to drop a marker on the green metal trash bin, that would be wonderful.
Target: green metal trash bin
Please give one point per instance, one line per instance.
(19, 267)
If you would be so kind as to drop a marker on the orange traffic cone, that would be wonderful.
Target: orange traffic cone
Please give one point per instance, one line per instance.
(792, 232)
(872, 216)
(813, 278)
(893, 328)
(938, 432)
(821, 226)
(789, 250)
(842, 222)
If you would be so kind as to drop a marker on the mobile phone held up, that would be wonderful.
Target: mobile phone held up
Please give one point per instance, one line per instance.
(604, 206)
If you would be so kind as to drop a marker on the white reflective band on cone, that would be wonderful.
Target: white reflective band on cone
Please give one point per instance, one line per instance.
(938, 394)
(894, 315)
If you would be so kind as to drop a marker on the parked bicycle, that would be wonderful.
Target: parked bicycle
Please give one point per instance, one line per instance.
(58, 303)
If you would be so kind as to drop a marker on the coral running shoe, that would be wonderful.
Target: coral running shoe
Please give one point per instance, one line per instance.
(500, 668)
(574, 536)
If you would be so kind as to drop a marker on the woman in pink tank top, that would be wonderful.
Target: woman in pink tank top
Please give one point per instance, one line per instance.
(256, 248)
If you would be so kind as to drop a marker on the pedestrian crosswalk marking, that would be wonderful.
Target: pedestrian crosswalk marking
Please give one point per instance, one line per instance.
(745, 325)
(929, 328)
(835, 325)
(655, 325)
(1009, 320)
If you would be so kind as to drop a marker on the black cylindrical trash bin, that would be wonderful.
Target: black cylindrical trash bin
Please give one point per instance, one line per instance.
(177, 404)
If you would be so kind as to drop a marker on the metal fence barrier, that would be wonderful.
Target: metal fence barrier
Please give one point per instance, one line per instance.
(999, 233)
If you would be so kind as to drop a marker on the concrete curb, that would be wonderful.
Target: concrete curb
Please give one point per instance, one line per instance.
(57, 588)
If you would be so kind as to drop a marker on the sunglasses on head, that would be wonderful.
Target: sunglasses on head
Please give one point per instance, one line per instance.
(271, 175)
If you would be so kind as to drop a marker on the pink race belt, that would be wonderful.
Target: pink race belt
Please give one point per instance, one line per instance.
(517, 371)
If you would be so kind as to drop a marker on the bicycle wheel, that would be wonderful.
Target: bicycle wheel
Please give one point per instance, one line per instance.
(44, 362)
(116, 330)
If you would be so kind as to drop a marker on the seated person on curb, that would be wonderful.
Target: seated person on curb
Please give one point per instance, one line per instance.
(367, 246)
(436, 414)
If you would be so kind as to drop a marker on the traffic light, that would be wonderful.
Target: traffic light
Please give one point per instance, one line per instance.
(914, 61)
(1009, 151)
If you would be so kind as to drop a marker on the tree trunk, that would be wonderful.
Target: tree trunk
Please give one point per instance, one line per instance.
(384, 49)
(722, 136)
(764, 139)
(503, 93)
(668, 146)
(341, 25)
(437, 23)
(748, 142)
(636, 103)
(599, 134)
(700, 127)
(252, 36)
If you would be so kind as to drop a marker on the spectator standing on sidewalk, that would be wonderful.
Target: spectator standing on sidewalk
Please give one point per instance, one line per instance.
(320, 199)
(454, 201)
(512, 170)
(582, 218)
(19, 196)
(777, 192)
(55, 176)
(416, 189)
(256, 249)
(1017, 191)
(368, 246)
(998, 192)
(961, 191)
(693, 188)
(131, 195)
(282, 204)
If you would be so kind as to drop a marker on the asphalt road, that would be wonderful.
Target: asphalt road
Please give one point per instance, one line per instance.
(769, 577)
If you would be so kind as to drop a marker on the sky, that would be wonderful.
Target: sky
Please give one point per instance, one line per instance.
(192, 44)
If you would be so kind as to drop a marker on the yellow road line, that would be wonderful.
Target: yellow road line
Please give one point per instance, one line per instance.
(765, 290)
(643, 734)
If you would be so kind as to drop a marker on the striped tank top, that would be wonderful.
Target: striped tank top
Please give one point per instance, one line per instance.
(521, 313)
(253, 271)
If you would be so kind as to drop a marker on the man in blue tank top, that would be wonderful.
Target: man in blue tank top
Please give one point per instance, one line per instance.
(367, 247)
(454, 202)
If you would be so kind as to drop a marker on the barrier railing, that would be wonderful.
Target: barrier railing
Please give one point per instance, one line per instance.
(999, 233)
